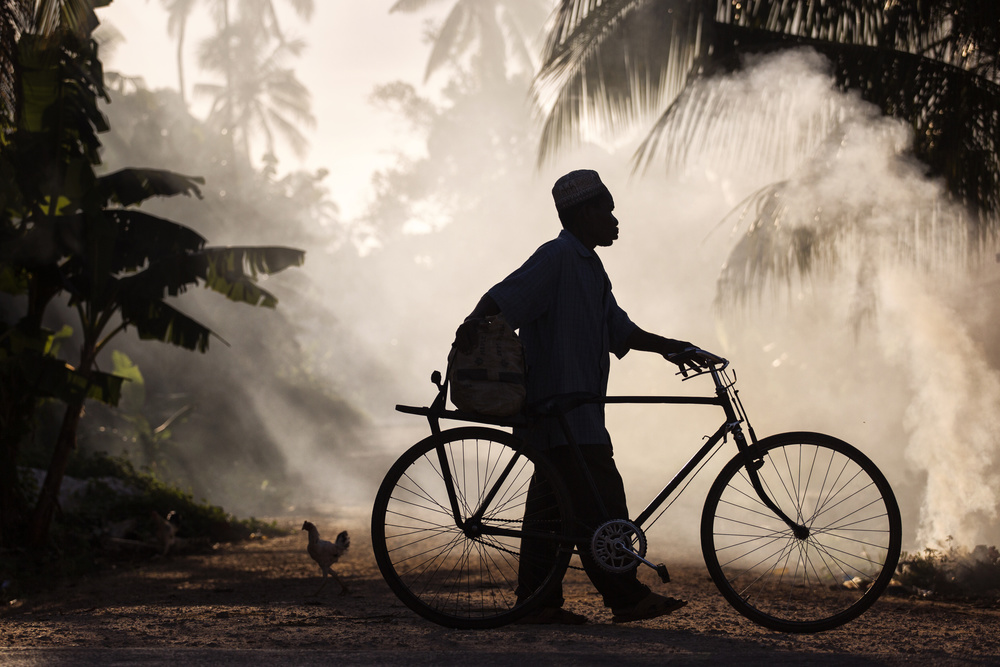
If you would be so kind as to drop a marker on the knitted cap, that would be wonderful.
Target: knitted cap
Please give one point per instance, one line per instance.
(577, 187)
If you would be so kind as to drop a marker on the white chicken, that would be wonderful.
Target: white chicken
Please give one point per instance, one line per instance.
(326, 553)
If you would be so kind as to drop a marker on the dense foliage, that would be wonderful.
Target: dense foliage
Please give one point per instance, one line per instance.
(71, 234)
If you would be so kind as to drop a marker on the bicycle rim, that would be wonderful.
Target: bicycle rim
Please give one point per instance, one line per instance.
(464, 578)
(812, 584)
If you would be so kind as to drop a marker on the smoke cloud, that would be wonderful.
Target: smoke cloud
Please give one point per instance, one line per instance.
(870, 347)
(885, 294)
(886, 344)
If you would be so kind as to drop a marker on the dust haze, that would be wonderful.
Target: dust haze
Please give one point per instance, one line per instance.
(887, 346)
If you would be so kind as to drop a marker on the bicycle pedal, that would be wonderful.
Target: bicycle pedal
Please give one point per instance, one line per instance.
(664, 575)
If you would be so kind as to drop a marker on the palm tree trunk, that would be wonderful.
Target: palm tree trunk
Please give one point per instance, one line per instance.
(230, 93)
(180, 65)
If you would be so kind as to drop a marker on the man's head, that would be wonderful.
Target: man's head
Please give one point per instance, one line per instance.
(584, 205)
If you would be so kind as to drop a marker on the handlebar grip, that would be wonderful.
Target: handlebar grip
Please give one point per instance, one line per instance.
(697, 357)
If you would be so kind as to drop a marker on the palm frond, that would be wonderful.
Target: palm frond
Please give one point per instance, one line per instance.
(14, 20)
(492, 56)
(955, 115)
(303, 8)
(455, 31)
(611, 63)
(515, 23)
(410, 5)
(772, 117)
(771, 250)
(289, 131)
(790, 231)
(933, 63)
(76, 16)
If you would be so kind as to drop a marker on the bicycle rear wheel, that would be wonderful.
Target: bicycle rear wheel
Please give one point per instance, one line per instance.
(463, 571)
(809, 584)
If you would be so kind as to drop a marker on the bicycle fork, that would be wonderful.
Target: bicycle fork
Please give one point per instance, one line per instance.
(753, 462)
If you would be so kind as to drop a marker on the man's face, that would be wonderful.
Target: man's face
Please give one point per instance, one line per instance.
(598, 226)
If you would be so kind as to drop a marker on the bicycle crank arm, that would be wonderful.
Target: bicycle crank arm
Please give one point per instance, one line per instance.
(661, 569)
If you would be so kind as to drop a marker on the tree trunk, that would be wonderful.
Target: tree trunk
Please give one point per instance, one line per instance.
(180, 63)
(48, 499)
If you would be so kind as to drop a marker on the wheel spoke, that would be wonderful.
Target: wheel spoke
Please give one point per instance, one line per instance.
(449, 571)
(809, 584)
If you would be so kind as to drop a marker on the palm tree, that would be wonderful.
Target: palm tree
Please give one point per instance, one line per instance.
(267, 12)
(260, 95)
(42, 17)
(490, 30)
(931, 63)
(13, 19)
(178, 12)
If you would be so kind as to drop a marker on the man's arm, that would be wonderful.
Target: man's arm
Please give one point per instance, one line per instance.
(697, 360)
(486, 307)
(650, 342)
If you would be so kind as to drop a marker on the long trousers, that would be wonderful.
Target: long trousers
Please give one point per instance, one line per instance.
(619, 590)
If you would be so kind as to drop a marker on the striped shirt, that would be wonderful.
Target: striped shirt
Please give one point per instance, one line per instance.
(560, 300)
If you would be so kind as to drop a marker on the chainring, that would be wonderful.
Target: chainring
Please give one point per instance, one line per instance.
(616, 544)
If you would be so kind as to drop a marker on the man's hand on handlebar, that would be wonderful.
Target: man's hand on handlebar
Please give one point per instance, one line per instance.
(694, 360)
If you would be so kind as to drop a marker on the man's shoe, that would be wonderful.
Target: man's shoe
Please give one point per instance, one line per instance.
(552, 616)
(651, 606)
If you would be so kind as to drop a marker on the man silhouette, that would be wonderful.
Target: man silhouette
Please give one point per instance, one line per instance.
(569, 322)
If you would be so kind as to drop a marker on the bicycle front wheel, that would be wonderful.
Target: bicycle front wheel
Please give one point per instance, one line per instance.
(806, 583)
(467, 528)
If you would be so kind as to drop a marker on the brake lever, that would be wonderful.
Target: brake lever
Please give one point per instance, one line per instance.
(682, 359)
(694, 361)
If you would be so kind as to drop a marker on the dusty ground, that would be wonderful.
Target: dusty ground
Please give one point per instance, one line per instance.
(253, 602)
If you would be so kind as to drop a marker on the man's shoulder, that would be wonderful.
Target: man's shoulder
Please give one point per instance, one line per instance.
(564, 244)
(551, 250)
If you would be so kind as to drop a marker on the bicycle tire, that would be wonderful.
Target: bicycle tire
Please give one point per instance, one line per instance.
(802, 585)
(451, 576)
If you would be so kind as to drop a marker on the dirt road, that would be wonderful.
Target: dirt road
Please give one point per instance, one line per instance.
(253, 603)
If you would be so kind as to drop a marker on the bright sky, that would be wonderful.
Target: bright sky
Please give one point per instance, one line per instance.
(352, 47)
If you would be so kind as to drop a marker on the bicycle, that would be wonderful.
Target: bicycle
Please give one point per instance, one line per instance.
(800, 531)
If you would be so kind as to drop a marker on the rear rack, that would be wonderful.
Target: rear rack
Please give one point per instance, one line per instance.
(434, 413)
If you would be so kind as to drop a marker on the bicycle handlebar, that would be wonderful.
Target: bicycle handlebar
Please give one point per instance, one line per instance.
(695, 361)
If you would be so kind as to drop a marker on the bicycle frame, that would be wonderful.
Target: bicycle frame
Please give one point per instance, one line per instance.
(726, 397)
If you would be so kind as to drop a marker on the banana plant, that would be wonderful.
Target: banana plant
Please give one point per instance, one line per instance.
(67, 233)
